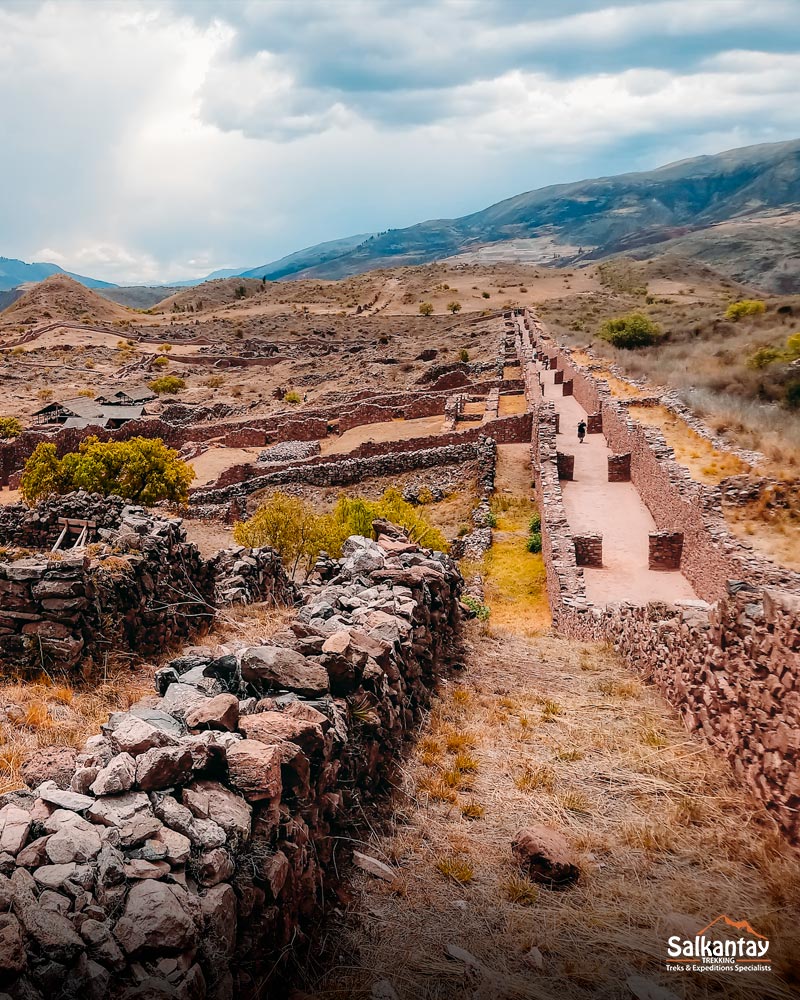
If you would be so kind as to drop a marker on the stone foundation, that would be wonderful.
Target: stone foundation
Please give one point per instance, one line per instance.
(566, 465)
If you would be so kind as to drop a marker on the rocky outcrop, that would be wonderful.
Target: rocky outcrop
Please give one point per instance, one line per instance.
(197, 834)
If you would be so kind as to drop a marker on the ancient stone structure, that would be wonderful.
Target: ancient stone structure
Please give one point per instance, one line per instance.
(566, 465)
(729, 663)
(137, 585)
(619, 468)
(197, 837)
(588, 550)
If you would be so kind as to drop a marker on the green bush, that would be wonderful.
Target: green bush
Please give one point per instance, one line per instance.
(478, 608)
(630, 331)
(144, 470)
(454, 307)
(292, 396)
(298, 534)
(463, 355)
(10, 427)
(745, 307)
(764, 357)
(167, 385)
(535, 524)
(425, 308)
(792, 395)
(535, 542)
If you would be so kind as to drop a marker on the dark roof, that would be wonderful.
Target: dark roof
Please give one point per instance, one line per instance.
(136, 393)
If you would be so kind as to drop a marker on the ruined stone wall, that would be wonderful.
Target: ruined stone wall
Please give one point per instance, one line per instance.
(185, 851)
(329, 469)
(139, 585)
(732, 670)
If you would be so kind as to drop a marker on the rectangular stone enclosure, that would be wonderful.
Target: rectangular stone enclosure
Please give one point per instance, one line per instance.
(666, 549)
(589, 550)
(566, 465)
(619, 468)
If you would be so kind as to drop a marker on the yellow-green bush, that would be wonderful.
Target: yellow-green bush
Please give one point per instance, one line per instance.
(745, 307)
(10, 427)
(298, 533)
(144, 470)
(167, 385)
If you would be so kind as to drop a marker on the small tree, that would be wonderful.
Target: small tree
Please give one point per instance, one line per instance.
(164, 348)
(10, 427)
(745, 307)
(144, 470)
(631, 331)
(167, 385)
(463, 355)
(425, 308)
(454, 307)
(764, 357)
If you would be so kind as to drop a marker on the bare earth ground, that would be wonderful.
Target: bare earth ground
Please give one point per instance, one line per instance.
(548, 731)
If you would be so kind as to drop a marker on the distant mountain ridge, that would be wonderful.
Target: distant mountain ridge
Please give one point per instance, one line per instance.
(14, 273)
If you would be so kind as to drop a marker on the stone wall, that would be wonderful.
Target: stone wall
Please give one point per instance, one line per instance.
(139, 585)
(184, 850)
(732, 670)
(732, 667)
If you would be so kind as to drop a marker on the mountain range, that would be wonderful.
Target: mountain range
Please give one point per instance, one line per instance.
(14, 273)
(737, 211)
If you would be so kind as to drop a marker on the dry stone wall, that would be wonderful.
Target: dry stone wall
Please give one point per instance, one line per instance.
(731, 666)
(199, 835)
(139, 585)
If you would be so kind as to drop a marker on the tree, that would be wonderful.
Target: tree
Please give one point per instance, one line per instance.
(630, 331)
(463, 355)
(454, 307)
(745, 307)
(144, 470)
(10, 427)
(167, 385)
(764, 356)
(425, 309)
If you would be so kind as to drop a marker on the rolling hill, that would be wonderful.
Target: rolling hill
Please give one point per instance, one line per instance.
(14, 273)
(641, 213)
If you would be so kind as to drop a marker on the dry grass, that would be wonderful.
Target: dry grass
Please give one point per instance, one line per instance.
(45, 712)
(775, 534)
(658, 822)
(514, 583)
(706, 463)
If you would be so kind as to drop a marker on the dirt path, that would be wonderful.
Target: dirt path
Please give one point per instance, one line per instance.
(548, 731)
(614, 510)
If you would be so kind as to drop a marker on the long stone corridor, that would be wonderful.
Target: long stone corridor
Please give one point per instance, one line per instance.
(614, 510)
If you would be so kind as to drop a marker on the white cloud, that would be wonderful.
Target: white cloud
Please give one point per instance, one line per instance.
(147, 141)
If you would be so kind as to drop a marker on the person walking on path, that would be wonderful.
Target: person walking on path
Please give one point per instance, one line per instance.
(581, 431)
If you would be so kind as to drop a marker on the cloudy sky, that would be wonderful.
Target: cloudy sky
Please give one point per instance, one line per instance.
(146, 140)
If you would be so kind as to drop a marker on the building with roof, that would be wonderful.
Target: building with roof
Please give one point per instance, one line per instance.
(83, 412)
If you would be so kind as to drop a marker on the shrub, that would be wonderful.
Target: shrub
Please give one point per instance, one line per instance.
(454, 307)
(478, 608)
(161, 361)
(745, 307)
(87, 393)
(10, 427)
(792, 395)
(485, 295)
(463, 355)
(425, 308)
(535, 542)
(165, 348)
(298, 534)
(793, 347)
(292, 396)
(535, 524)
(167, 385)
(144, 470)
(630, 331)
(763, 357)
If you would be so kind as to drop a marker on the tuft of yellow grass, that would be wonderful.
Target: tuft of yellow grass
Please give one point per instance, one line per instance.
(472, 810)
(455, 868)
(533, 778)
(519, 890)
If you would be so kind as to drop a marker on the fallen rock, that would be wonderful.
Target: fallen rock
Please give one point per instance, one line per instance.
(129, 813)
(210, 800)
(373, 866)
(13, 960)
(545, 856)
(163, 767)
(55, 764)
(63, 798)
(73, 844)
(116, 777)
